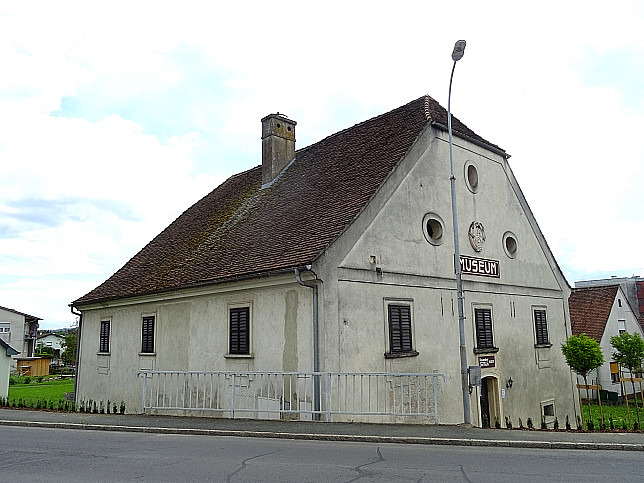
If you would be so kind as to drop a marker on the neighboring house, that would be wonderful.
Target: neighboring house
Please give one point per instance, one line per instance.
(633, 288)
(6, 353)
(363, 220)
(18, 330)
(601, 313)
(52, 340)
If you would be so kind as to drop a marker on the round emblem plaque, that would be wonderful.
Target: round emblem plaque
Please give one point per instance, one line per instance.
(477, 235)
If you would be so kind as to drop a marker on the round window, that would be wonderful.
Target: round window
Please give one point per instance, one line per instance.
(472, 176)
(433, 228)
(510, 244)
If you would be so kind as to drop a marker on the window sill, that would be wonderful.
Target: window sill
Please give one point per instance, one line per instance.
(486, 350)
(239, 356)
(147, 353)
(397, 355)
(543, 346)
(103, 354)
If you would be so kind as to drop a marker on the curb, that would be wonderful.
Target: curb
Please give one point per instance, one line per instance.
(335, 437)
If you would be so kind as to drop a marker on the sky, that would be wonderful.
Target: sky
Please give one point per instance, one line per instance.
(115, 116)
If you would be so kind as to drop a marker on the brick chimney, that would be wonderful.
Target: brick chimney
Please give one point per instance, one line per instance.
(278, 145)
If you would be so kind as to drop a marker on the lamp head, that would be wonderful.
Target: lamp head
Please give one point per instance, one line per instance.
(459, 50)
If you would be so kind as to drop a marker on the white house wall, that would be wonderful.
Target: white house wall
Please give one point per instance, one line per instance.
(407, 267)
(16, 337)
(191, 334)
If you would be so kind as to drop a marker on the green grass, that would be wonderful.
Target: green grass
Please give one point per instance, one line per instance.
(619, 414)
(34, 392)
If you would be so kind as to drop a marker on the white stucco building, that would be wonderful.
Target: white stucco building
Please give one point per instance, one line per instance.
(364, 216)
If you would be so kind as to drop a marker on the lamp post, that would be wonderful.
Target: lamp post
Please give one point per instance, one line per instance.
(457, 54)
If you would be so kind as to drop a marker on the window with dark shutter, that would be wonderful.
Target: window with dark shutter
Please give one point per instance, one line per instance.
(541, 327)
(104, 337)
(483, 320)
(147, 335)
(239, 330)
(400, 329)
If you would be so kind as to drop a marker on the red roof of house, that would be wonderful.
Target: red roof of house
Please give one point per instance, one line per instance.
(590, 308)
(240, 230)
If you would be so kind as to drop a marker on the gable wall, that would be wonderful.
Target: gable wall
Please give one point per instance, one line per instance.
(421, 274)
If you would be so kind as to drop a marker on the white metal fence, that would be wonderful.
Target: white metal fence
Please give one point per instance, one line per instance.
(292, 395)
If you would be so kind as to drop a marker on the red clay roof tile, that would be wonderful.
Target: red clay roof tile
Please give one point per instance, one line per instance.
(240, 230)
(590, 308)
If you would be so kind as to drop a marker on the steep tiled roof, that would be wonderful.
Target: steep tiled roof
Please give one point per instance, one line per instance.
(590, 308)
(240, 230)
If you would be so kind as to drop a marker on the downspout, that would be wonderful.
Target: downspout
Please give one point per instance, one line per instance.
(78, 347)
(316, 359)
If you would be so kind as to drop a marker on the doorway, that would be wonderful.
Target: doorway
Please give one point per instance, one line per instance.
(489, 401)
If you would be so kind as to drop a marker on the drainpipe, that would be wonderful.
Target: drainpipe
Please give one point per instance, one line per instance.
(316, 360)
(78, 346)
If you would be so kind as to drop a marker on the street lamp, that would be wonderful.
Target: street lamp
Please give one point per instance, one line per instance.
(457, 54)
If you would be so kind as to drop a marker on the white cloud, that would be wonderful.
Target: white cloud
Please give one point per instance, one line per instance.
(111, 124)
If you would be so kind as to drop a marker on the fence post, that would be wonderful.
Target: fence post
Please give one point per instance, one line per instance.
(435, 399)
(232, 398)
(143, 392)
(328, 398)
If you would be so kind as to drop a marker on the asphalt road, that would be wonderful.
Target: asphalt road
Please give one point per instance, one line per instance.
(63, 455)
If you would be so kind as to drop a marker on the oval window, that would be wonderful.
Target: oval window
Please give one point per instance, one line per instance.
(433, 228)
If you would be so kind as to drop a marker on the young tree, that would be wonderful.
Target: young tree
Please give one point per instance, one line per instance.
(69, 354)
(583, 355)
(629, 353)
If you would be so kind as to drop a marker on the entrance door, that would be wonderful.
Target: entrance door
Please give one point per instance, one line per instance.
(486, 422)
(489, 406)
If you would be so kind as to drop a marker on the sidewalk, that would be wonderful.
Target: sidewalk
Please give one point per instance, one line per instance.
(377, 433)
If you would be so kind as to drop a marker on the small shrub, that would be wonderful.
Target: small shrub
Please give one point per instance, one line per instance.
(529, 422)
(114, 409)
(108, 406)
(636, 426)
(497, 422)
(101, 408)
(579, 426)
(27, 379)
(39, 378)
(567, 423)
(543, 423)
(508, 422)
(13, 380)
(520, 424)
(122, 408)
(611, 422)
(556, 424)
(624, 425)
(590, 425)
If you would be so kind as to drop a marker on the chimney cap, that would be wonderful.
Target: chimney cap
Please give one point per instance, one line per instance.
(280, 116)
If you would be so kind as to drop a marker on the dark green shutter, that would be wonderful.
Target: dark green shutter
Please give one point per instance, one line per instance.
(541, 326)
(483, 320)
(147, 335)
(240, 330)
(104, 337)
(400, 328)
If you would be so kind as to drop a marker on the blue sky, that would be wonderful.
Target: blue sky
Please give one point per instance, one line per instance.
(112, 124)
